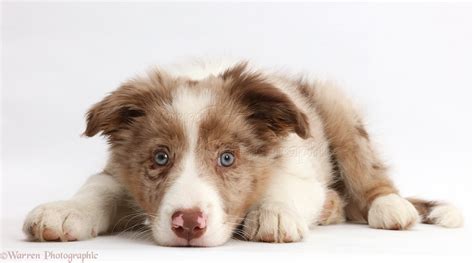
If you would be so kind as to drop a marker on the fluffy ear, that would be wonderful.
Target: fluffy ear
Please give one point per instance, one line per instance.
(117, 111)
(270, 111)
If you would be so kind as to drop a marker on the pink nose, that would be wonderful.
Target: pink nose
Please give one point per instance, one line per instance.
(188, 223)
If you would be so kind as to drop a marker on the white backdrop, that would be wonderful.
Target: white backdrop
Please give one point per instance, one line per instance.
(408, 65)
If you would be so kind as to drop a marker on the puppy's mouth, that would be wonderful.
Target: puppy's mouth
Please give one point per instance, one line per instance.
(191, 243)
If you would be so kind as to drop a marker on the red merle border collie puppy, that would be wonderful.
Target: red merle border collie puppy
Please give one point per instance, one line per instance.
(205, 155)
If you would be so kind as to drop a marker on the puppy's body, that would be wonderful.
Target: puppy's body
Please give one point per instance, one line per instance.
(210, 153)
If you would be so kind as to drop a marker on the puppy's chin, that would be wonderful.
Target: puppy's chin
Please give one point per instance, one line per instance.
(215, 237)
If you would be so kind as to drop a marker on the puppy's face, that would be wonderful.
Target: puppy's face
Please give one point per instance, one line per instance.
(196, 155)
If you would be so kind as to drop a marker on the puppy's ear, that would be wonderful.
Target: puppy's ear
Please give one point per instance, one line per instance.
(117, 111)
(269, 110)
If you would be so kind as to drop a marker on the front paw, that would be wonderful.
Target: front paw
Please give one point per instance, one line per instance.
(59, 221)
(273, 222)
(392, 212)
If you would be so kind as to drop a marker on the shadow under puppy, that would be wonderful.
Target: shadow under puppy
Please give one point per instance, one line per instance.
(207, 154)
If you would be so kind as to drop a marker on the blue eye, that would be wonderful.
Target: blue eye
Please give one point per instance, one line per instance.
(226, 159)
(161, 158)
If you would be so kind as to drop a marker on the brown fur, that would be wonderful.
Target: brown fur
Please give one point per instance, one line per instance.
(333, 210)
(261, 113)
(360, 174)
(424, 208)
(251, 115)
(269, 110)
(244, 121)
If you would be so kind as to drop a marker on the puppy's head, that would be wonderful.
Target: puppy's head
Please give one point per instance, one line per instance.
(195, 155)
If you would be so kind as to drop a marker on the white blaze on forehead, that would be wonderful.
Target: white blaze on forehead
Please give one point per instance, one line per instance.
(190, 105)
(189, 190)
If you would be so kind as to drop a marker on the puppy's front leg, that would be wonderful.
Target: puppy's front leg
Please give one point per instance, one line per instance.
(290, 205)
(89, 213)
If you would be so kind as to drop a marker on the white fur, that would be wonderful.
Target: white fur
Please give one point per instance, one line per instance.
(273, 221)
(190, 190)
(294, 197)
(392, 212)
(302, 181)
(84, 216)
(446, 215)
(189, 106)
(290, 205)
